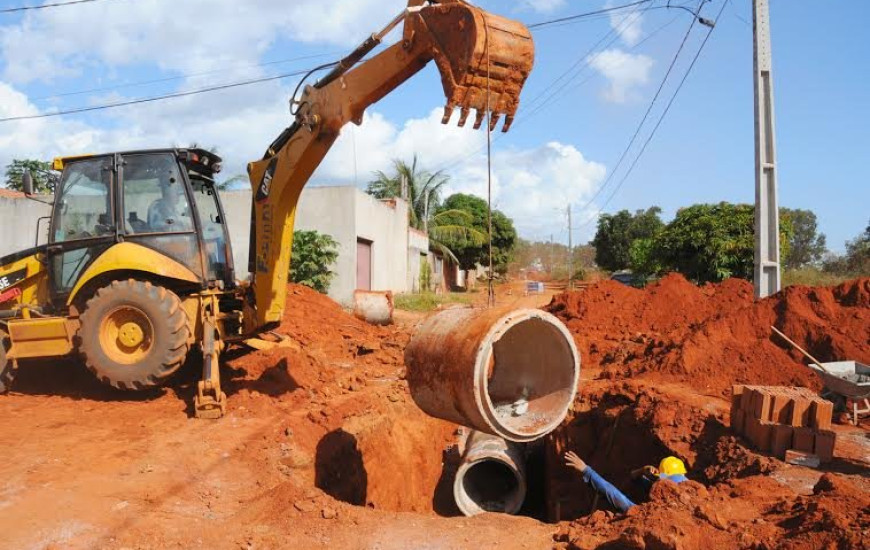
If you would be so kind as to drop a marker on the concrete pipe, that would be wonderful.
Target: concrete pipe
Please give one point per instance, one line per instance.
(375, 308)
(510, 373)
(491, 476)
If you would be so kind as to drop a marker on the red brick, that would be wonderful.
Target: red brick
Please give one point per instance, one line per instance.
(761, 404)
(780, 408)
(824, 445)
(820, 414)
(746, 398)
(804, 440)
(736, 397)
(800, 412)
(759, 433)
(738, 419)
(781, 440)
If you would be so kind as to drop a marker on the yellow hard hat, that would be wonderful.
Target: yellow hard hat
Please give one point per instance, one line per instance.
(672, 466)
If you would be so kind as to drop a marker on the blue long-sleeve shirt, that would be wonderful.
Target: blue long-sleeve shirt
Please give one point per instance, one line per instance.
(614, 496)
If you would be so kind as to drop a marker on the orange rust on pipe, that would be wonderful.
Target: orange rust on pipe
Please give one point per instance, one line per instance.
(510, 373)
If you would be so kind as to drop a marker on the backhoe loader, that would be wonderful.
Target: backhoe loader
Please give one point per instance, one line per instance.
(138, 266)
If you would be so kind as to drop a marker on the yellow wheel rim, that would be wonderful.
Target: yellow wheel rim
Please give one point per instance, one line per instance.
(126, 335)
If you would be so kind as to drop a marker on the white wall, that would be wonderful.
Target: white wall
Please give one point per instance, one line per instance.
(345, 213)
(18, 218)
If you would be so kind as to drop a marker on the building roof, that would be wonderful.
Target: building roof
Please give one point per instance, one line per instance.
(10, 194)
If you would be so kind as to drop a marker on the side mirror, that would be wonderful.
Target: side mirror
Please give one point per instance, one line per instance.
(27, 182)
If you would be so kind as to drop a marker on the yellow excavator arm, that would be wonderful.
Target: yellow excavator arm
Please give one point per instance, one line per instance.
(484, 61)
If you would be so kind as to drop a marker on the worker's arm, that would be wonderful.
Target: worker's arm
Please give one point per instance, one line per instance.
(613, 495)
(484, 61)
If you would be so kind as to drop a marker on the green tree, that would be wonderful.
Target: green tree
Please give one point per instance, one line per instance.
(229, 182)
(616, 232)
(424, 189)
(472, 251)
(711, 242)
(806, 245)
(313, 255)
(644, 259)
(44, 178)
(856, 260)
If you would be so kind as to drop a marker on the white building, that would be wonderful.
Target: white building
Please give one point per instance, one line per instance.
(377, 248)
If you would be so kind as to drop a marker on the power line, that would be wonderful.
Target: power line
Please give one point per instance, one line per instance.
(527, 114)
(644, 119)
(180, 77)
(587, 14)
(44, 6)
(665, 112)
(155, 98)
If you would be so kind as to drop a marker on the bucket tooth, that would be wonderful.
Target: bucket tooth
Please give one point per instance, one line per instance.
(463, 116)
(493, 121)
(508, 121)
(478, 120)
(448, 113)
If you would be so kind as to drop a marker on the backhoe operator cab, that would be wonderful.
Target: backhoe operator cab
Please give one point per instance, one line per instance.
(163, 200)
(137, 263)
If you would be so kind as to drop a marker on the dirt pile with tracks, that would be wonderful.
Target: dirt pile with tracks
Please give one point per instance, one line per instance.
(323, 447)
(715, 335)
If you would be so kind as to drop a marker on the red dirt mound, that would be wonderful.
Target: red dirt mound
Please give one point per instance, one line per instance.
(748, 513)
(332, 351)
(716, 335)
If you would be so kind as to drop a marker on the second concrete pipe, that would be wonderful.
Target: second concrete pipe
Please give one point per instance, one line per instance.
(510, 373)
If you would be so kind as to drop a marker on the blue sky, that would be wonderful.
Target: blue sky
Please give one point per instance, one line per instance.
(558, 153)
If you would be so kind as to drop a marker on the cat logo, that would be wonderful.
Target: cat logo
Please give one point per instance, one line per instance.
(265, 186)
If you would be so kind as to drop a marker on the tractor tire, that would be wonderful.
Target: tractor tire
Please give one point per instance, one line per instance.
(134, 335)
(7, 367)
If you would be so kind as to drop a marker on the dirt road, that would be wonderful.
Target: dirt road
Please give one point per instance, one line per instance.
(323, 448)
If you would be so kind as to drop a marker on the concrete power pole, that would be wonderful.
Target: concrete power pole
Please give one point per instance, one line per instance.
(767, 268)
(570, 252)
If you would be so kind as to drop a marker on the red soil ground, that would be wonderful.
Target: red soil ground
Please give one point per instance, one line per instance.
(714, 336)
(324, 448)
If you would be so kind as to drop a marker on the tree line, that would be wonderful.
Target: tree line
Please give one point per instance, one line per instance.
(712, 242)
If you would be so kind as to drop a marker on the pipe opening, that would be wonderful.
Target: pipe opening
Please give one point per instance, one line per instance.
(531, 378)
(489, 485)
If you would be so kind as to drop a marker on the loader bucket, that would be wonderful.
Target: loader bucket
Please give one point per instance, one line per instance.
(484, 59)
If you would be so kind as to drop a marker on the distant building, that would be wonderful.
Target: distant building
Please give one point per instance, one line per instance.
(378, 250)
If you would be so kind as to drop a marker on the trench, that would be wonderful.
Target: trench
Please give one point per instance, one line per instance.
(409, 463)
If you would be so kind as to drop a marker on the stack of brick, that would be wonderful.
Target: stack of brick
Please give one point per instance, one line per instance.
(778, 419)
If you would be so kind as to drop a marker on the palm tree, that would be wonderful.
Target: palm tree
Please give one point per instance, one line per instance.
(424, 189)
(424, 196)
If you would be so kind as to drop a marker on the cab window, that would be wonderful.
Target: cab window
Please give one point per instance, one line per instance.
(213, 235)
(83, 209)
(154, 197)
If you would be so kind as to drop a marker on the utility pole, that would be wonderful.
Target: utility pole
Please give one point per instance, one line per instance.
(767, 269)
(570, 252)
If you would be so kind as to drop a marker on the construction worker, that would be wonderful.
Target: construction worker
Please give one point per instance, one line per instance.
(164, 214)
(670, 468)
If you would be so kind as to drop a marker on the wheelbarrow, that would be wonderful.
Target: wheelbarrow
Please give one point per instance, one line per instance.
(846, 381)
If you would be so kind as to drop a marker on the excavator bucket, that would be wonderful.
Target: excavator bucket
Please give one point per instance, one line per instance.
(484, 59)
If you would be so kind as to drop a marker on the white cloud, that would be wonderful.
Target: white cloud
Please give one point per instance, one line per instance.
(189, 36)
(534, 186)
(531, 185)
(624, 71)
(629, 24)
